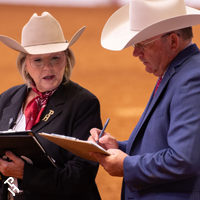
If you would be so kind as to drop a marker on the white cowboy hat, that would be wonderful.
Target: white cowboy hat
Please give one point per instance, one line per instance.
(42, 34)
(143, 19)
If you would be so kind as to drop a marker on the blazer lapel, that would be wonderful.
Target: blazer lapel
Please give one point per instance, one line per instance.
(54, 107)
(15, 106)
(172, 69)
(152, 102)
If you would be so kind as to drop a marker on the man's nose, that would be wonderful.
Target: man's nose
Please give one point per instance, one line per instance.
(137, 52)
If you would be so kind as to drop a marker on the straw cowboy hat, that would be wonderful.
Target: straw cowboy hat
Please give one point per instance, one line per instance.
(42, 34)
(143, 19)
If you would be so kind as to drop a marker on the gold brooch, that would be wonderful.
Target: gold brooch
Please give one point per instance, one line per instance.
(51, 112)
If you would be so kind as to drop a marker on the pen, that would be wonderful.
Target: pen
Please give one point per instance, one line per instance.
(104, 127)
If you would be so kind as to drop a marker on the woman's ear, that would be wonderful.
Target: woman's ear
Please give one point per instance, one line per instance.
(25, 70)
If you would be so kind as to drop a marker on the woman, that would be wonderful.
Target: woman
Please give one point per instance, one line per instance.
(49, 102)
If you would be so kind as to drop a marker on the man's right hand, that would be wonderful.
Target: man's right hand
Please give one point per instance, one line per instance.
(106, 141)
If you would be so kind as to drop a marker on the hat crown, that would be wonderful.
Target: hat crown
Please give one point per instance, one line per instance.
(41, 30)
(143, 13)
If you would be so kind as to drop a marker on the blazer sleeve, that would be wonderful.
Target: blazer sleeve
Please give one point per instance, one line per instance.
(122, 145)
(77, 175)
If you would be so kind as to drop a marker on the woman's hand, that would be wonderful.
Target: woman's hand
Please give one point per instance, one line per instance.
(15, 168)
(106, 141)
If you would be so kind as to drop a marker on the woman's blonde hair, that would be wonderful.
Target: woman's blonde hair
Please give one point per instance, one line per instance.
(27, 78)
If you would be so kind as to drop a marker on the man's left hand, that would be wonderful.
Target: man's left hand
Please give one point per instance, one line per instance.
(113, 164)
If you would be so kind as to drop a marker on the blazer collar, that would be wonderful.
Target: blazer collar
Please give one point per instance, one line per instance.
(173, 68)
(53, 108)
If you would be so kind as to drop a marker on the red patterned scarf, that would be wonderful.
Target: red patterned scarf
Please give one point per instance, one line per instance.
(35, 107)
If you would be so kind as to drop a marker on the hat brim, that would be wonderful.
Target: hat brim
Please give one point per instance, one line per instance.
(41, 49)
(116, 34)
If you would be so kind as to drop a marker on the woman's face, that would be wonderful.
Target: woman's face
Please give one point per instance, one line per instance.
(46, 70)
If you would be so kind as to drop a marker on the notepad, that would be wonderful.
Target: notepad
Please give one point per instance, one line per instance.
(76, 146)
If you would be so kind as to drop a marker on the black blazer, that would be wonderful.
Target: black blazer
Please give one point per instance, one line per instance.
(76, 111)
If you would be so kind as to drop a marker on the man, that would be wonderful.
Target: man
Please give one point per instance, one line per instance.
(161, 159)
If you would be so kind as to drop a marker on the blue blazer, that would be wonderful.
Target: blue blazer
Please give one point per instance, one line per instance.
(164, 147)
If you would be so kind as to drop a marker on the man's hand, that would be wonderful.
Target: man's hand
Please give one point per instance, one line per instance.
(106, 141)
(15, 168)
(113, 164)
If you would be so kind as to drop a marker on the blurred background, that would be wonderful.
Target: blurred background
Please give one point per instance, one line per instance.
(117, 78)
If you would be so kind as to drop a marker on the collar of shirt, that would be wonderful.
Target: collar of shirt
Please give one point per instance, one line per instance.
(191, 43)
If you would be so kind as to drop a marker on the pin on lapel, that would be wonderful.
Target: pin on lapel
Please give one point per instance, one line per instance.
(51, 112)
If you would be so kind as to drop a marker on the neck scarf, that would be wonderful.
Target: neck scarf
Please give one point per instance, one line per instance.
(36, 106)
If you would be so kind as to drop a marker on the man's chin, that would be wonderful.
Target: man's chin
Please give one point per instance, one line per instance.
(148, 69)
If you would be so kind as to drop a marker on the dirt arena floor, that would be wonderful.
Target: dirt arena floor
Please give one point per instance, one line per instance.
(116, 78)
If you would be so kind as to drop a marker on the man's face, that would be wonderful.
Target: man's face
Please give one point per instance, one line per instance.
(155, 54)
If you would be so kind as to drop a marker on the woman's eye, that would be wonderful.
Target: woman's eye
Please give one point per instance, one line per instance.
(56, 58)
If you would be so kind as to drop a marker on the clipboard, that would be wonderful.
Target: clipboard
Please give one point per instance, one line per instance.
(25, 145)
(76, 146)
